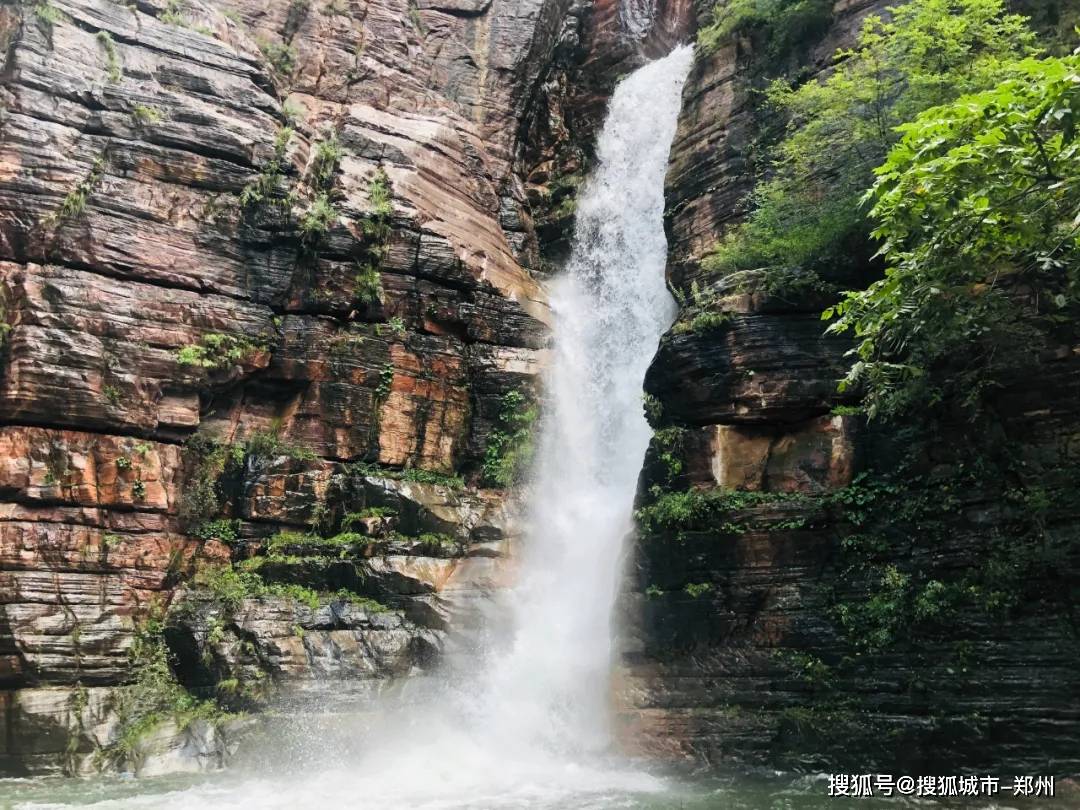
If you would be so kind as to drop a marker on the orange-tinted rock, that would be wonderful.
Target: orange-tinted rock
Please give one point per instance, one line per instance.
(127, 137)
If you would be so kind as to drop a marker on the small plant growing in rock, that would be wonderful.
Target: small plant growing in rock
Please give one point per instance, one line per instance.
(138, 490)
(379, 196)
(268, 444)
(280, 57)
(123, 463)
(218, 351)
(695, 590)
(153, 696)
(292, 112)
(74, 203)
(414, 18)
(510, 446)
(367, 284)
(319, 217)
(112, 58)
(144, 115)
(703, 323)
(47, 16)
(224, 530)
(367, 288)
(206, 462)
(654, 409)
(265, 184)
(386, 379)
(325, 161)
(415, 474)
(173, 15)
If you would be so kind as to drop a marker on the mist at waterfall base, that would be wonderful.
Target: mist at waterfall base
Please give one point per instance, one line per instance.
(524, 722)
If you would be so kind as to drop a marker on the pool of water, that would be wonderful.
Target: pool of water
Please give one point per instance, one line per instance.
(431, 788)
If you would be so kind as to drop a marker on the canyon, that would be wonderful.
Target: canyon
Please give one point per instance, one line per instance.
(275, 315)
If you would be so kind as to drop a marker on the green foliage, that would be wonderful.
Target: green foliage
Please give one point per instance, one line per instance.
(224, 530)
(703, 323)
(319, 217)
(264, 444)
(352, 519)
(145, 115)
(74, 203)
(111, 393)
(976, 210)
(414, 474)
(216, 351)
(386, 380)
(377, 229)
(367, 284)
(230, 587)
(1014, 568)
(669, 446)
(783, 24)
(153, 696)
(48, 15)
(510, 446)
(809, 669)
(379, 195)
(363, 602)
(696, 590)
(807, 213)
(436, 542)
(325, 161)
(280, 56)
(112, 58)
(654, 409)
(414, 18)
(205, 461)
(173, 15)
(700, 315)
(707, 509)
(265, 185)
(287, 540)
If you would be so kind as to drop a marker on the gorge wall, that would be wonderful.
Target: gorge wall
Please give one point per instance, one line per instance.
(786, 604)
(268, 299)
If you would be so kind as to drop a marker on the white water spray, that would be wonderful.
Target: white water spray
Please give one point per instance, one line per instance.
(530, 729)
(611, 308)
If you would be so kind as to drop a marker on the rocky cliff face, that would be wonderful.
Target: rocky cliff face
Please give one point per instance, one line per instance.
(264, 268)
(787, 603)
(267, 278)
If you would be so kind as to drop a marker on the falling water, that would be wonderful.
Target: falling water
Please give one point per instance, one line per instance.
(611, 307)
(530, 725)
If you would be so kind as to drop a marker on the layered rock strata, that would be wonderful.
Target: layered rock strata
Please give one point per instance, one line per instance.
(298, 233)
(787, 605)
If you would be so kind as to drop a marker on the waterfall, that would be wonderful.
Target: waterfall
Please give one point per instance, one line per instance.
(611, 306)
(527, 723)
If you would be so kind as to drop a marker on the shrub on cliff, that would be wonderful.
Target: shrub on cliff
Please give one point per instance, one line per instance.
(808, 212)
(977, 211)
(783, 24)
